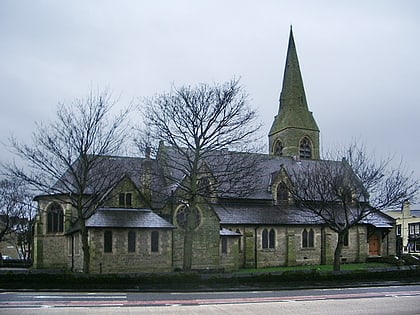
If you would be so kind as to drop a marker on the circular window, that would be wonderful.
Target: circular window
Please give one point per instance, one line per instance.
(182, 215)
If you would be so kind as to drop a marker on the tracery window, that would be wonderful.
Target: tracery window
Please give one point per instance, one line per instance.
(182, 215)
(308, 238)
(278, 148)
(55, 219)
(305, 149)
(125, 199)
(268, 238)
(282, 192)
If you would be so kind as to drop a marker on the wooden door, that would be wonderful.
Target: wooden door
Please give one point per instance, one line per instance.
(374, 246)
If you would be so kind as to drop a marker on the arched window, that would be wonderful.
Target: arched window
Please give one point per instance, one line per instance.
(224, 244)
(268, 238)
(346, 239)
(125, 200)
(55, 219)
(272, 239)
(265, 238)
(311, 238)
(308, 238)
(108, 242)
(239, 241)
(282, 192)
(204, 187)
(278, 148)
(305, 149)
(154, 242)
(131, 241)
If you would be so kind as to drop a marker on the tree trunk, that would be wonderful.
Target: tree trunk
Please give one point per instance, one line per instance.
(188, 242)
(188, 237)
(85, 248)
(338, 249)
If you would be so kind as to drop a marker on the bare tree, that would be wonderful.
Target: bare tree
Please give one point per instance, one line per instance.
(198, 124)
(14, 208)
(347, 192)
(68, 157)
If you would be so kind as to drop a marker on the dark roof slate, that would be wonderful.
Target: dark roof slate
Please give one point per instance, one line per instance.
(127, 218)
(278, 215)
(274, 215)
(379, 219)
(266, 166)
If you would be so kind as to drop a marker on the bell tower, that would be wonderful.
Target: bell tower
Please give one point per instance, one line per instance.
(294, 131)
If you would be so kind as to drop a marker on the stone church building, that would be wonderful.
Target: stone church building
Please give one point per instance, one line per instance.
(140, 224)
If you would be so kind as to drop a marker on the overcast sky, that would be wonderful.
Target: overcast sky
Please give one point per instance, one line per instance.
(360, 60)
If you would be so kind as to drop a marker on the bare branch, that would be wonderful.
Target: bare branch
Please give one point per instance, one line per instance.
(196, 126)
(67, 157)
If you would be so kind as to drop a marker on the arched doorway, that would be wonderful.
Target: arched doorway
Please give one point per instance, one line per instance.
(374, 245)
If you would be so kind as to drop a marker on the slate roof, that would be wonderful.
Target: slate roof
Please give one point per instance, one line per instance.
(254, 215)
(379, 219)
(111, 169)
(234, 180)
(127, 218)
(257, 182)
(278, 215)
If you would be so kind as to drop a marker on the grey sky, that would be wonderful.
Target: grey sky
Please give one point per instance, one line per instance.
(359, 60)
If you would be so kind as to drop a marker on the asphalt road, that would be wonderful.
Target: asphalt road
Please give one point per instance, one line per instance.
(373, 300)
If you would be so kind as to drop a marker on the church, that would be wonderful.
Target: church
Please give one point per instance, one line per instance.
(140, 225)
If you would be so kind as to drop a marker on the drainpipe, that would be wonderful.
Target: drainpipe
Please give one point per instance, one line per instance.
(72, 252)
(255, 249)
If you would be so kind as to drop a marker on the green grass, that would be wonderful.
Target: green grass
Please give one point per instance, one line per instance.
(358, 266)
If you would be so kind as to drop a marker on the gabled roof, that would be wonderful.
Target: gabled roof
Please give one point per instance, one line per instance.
(379, 219)
(110, 171)
(127, 218)
(243, 183)
(234, 180)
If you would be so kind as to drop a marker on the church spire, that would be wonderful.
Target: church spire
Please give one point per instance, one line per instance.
(294, 121)
(293, 92)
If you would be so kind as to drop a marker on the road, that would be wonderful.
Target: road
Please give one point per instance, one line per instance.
(367, 301)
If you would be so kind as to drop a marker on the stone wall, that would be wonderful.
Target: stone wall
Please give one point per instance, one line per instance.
(288, 250)
(229, 261)
(291, 138)
(126, 186)
(50, 252)
(49, 248)
(120, 260)
(206, 238)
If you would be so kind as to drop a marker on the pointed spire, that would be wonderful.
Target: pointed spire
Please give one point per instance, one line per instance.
(294, 121)
(293, 92)
(293, 108)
